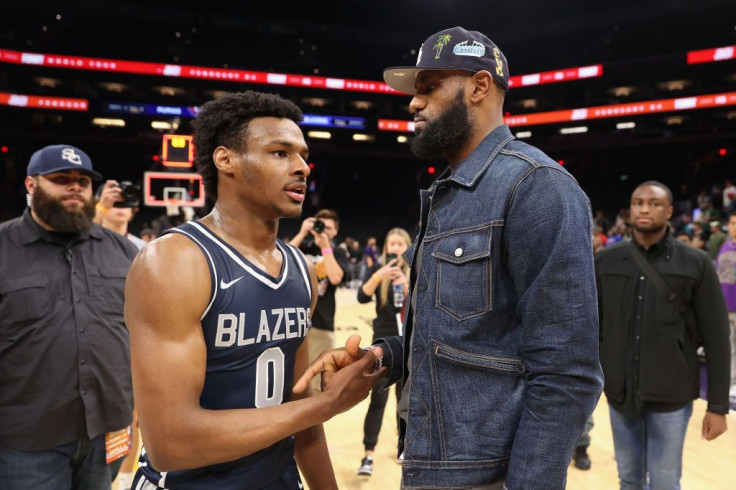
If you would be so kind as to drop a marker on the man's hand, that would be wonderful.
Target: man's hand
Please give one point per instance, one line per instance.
(352, 383)
(307, 226)
(110, 194)
(331, 361)
(714, 424)
(321, 239)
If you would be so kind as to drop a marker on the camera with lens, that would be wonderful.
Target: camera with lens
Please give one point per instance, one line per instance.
(319, 226)
(131, 195)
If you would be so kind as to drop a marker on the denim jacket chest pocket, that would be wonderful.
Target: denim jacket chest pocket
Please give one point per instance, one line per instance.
(465, 271)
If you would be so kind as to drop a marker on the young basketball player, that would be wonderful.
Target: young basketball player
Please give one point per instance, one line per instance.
(218, 310)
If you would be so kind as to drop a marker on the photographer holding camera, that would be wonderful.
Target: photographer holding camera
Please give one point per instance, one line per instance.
(331, 263)
(117, 205)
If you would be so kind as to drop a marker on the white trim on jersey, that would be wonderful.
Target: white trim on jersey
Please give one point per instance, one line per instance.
(162, 481)
(265, 280)
(144, 484)
(299, 260)
(212, 264)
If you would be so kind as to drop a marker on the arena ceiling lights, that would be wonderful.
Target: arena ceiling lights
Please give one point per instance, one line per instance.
(597, 112)
(711, 55)
(259, 77)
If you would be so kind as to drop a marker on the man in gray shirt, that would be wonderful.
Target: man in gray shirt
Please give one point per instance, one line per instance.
(64, 354)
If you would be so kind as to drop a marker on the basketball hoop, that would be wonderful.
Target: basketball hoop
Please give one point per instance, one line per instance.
(173, 198)
(172, 206)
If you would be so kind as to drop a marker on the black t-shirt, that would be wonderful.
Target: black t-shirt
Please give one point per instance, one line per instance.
(385, 323)
(324, 313)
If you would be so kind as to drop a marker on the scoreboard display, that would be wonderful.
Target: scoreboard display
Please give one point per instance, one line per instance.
(178, 151)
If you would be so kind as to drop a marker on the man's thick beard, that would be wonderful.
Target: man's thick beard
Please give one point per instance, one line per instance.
(53, 213)
(447, 133)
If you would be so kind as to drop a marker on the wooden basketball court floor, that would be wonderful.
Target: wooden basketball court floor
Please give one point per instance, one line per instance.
(706, 465)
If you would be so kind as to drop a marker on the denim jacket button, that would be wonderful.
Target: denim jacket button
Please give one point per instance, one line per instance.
(458, 252)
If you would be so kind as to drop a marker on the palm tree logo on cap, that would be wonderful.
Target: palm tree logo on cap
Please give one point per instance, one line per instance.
(441, 42)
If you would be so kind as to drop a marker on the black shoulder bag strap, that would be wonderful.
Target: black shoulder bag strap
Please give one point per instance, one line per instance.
(672, 297)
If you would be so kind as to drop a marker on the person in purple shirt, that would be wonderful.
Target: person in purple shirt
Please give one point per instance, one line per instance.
(726, 267)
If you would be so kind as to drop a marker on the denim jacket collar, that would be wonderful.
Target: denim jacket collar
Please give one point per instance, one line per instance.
(471, 168)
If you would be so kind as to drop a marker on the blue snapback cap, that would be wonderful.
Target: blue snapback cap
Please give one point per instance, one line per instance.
(55, 158)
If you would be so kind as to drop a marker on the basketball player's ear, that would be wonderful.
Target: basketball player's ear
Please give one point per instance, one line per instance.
(481, 86)
(222, 157)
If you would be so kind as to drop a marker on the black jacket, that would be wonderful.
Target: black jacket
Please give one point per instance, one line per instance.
(646, 351)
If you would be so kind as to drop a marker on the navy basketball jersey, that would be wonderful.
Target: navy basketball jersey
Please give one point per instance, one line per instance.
(253, 325)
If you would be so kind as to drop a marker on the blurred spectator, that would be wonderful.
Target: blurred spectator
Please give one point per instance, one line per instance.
(700, 231)
(716, 197)
(580, 457)
(370, 253)
(684, 203)
(729, 196)
(380, 284)
(115, 218)
(702, 199)
(716, 239)
(370, 257)
(599, 237)
(331, 263)
(617, 234)
(699, 241)
(601, 221)
(356, 257)
(684, 236)
(65, 352)
(622, 218)
(726, 267)
(709, 212)
(684, 222)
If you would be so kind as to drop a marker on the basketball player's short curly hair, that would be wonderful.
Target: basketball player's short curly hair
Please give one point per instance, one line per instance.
(224, 122)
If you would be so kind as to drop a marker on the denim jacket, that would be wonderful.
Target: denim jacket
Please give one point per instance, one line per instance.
(502, 324)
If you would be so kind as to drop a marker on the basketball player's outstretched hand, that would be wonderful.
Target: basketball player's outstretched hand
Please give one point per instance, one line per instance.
(352, 383)
(329, 362)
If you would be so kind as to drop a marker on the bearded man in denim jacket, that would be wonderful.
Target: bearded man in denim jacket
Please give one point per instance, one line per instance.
(500, 358)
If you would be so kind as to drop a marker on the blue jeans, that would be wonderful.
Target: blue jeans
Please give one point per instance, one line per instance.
(650, 445)
(79, 465)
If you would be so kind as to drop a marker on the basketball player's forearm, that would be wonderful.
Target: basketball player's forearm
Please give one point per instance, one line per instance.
(313, 458)
(206, 437)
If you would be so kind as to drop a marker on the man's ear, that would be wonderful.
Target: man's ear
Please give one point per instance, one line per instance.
(222, 157)
(31, 184)
(482, 86)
